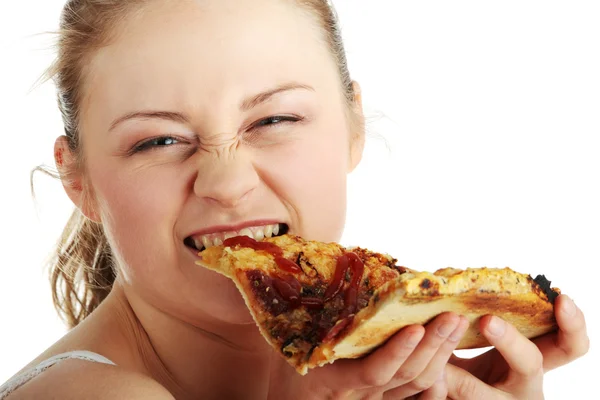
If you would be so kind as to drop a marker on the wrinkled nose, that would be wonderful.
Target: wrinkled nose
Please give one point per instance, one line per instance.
(227, 180)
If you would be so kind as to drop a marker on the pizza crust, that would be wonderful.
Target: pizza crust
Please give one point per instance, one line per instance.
(472, 293)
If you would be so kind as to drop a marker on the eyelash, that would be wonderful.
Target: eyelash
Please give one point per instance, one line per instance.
(151, 144)
(279, 120)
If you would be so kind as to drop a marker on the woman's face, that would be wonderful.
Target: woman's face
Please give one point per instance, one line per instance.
(205, 118)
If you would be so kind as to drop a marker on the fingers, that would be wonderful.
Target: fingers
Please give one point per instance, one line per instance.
(424, 367)
(378, 368)
(464, 386)
(440, 359)
(439, 391)
(441, 332)
(570, 342)
(521, 354)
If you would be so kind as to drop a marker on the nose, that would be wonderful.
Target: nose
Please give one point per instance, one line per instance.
(227, 179)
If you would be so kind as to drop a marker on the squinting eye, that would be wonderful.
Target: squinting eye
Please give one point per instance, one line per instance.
(275, 120)
(163, 141)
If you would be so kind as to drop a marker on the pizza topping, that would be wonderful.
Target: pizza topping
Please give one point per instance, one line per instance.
(357, 267)
(337, 282)
(264, 289)
(338, 328)
(313, 303)
(332, 309)
(271, 248)
(288, 289)
(287, 265)
(346, 262)
(331, 305)
(351, 295)
(245, 241)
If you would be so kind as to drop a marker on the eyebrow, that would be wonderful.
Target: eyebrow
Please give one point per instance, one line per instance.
(267, 95)
(163, 115)
(245, 105)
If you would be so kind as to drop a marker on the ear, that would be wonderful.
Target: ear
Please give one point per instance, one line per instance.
(72, 178)
(357, 141)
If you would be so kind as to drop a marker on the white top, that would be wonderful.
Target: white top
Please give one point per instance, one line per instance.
(27, 375)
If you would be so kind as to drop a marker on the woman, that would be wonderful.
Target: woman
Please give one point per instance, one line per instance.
(189, 121)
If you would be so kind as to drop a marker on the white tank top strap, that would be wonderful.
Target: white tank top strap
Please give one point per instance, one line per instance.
(27, 375)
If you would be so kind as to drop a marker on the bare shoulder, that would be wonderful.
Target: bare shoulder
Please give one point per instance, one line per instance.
(78, 379)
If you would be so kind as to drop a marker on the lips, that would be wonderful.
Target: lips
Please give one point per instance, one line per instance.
(203, 241)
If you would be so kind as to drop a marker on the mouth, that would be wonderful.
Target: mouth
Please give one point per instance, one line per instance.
(198, 243)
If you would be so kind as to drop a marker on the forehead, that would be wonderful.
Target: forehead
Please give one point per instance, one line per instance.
(208, 54)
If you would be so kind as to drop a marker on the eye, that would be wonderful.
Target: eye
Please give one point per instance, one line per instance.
(162, 141)
(276, 120)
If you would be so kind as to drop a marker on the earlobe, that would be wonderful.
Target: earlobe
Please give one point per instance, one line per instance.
(357, 141)
(72, 179)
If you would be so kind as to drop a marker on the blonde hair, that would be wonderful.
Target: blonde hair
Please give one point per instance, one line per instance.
(82, 270)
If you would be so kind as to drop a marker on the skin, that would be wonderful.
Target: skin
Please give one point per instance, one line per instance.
(175, 329)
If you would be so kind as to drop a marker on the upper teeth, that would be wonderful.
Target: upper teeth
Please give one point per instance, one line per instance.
(255, 232)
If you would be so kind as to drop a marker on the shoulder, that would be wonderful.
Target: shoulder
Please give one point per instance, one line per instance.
(78, 379)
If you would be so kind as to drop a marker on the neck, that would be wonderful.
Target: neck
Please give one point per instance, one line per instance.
(211, 359)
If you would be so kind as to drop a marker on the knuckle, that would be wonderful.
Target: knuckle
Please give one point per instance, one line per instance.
(405, 375)
(373, 378)
(339, 395)
(466, 388)
(535, 365)
(586, 346)
(371, 396)
(422, 384)
(582, 348)
(575, 350)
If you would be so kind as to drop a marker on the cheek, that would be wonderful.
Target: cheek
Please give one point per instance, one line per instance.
(310, 174)
(139, 209)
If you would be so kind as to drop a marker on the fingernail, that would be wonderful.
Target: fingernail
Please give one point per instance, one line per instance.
(569, 307)
(413, 339)
(446, 329)
(496, 327)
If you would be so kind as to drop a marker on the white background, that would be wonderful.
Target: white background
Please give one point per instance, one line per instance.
(490, 110)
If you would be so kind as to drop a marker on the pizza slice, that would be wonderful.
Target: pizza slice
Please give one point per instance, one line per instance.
(318, 302)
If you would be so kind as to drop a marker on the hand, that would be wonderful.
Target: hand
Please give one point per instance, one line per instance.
(515, 368)
(411, 362)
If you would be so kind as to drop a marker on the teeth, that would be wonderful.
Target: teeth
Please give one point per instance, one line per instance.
(255, 232)
(229, 235)
(246, 232)
(259, 234)
(268, 231)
